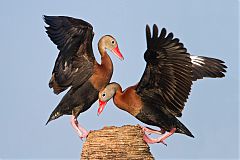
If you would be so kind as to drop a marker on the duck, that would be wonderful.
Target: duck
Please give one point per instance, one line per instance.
(160, 95)
(76, 68)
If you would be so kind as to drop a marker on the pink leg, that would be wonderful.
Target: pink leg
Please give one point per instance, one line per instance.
(168, 134)
(148, 139)
(82, 132)
(150, 130)
(160, 139)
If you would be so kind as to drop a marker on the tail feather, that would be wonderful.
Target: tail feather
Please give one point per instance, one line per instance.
(181, 128)
(54, 115)
(207, 67)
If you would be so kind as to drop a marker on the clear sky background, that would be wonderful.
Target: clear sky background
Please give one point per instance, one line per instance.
(206, 27)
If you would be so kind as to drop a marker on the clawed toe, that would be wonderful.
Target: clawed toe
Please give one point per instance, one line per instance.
(157, 140)
(83, 136)
(161, 141)
(153, 140)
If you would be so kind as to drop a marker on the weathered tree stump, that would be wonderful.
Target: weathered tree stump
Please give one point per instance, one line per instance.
(116, 143)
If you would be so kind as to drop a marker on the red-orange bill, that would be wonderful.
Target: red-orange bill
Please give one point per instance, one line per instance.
(117, 52)
(102, 104)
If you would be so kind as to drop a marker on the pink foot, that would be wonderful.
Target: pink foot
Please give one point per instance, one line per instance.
(160, 139)
(82, 132)
(153, 140)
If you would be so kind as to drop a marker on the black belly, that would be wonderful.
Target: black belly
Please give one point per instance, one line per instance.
(153, 114)
(156, 117)
(76, 101)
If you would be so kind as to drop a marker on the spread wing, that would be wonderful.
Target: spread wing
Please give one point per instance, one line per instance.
(74, 64)
(167, 78)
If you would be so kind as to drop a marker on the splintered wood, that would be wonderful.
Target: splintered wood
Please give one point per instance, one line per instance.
(116, 143)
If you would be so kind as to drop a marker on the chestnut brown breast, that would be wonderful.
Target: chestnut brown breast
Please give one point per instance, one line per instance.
(128, 101)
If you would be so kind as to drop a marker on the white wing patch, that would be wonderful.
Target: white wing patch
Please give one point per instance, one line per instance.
(197, 60)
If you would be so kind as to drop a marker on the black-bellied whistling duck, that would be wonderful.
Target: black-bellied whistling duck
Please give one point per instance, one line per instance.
(76, 67)
(160, 95)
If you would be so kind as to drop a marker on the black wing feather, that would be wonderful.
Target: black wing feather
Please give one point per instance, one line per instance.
(207, 67)
(167, 78)
(74, 64)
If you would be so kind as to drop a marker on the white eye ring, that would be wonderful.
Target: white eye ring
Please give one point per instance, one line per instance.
(112, 42)
(103, 95)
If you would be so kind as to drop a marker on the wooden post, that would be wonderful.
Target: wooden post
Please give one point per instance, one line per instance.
(116, 143)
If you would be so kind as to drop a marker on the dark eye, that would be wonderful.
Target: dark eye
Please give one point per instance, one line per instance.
(103, 95)
(113, 42)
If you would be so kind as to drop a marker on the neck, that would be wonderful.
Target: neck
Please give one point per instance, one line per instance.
(106, 61)
(118, 97)
(104, 70)
(117, 88)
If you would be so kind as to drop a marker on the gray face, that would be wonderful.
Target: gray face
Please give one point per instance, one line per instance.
(110, 42)
(107, 93)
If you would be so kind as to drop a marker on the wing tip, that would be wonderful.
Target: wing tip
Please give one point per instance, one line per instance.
(148, 35)
(155, 31)
(147, 27)
(154, 34)
(45, 17)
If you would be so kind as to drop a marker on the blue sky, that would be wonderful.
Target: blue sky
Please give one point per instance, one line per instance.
(208, 28)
